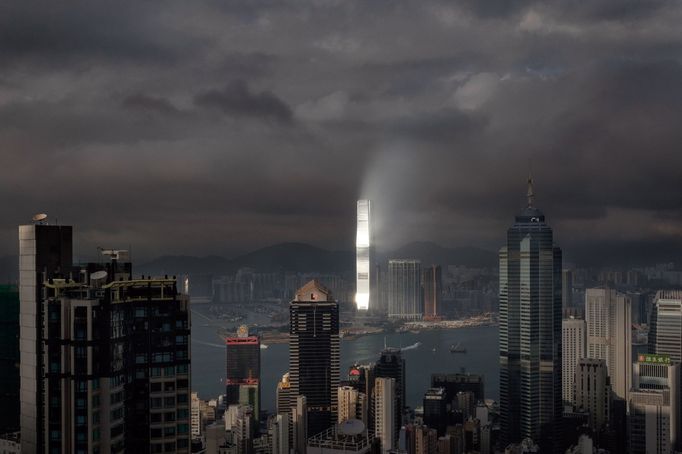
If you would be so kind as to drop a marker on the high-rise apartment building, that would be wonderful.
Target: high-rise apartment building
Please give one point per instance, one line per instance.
(243, 370)
(530, 331)
(405, 289)
(113, 373)
(665, 330)
(573, 348)
(352, 404)
(314, 354)
(433, 289)
(593, 392)
(654, 413)
(609, 335)
(385, 401)
(364, 263)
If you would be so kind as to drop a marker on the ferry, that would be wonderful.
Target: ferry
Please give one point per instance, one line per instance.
(457, 348)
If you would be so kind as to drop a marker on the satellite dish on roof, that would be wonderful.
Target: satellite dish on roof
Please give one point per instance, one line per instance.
(351, 427)
(98, 275)
(40, 217)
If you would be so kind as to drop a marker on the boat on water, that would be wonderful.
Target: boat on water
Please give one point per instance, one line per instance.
(263, 346)
(457, 348)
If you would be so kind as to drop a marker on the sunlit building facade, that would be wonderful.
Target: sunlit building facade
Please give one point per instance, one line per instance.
(363, 245)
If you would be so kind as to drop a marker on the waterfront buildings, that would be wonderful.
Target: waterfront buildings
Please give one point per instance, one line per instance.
(573, 348)
(530, 331)
(385, 402)
(364, 263)
(433, 289)
(314, 354)
(593, 392)
(243, 370)
(609, 335)
(405, 289)
(654, 418)
(665, 332)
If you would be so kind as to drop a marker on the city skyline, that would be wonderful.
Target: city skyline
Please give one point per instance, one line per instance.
(221, 116)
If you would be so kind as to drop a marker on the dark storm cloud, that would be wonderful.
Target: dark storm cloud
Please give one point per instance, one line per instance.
(211, 127)
(237, 99)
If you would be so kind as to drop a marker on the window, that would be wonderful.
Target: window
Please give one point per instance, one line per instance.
(183, 383)
(170, 371)
(182, 398)
(155, 387)
(169, 401)
(157, 402)
(156, 417)
(183, 443)
(169, 431)
(169, 386)
(181, 340)
(183, 369)
(141, 358)
(183, 429)
(183, 413)
(156, 371)
(169, 416)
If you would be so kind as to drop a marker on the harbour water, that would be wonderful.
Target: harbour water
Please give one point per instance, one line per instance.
(481, 357)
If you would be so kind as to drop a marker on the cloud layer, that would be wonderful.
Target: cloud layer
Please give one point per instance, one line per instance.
(217, 127)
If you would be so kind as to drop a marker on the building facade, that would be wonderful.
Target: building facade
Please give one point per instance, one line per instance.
(314, 354)
(385, 401)
(573, 349)
(243, 370)
(433, 290)
(364, 263)
(665, 330)
(405, 289)
(609, 335)
(592, 392)
(530, 331)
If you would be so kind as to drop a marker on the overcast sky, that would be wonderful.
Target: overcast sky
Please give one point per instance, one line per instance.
(220, 126)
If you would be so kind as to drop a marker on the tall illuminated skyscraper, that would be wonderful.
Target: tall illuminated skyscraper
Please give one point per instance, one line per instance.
(530, 332)
(364, 262)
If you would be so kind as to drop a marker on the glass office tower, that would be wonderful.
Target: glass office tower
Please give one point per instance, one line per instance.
(363, 245)
(530, 331)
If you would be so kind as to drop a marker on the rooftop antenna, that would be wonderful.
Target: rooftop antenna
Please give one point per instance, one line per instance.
(530, 194)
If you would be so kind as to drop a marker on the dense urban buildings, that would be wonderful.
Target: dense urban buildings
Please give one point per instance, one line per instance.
(391, 364)
(530, 331)
(243, 370)
(433, 289)
(314, 354)
(364, 263)
(609, 335)
(665, 330)
(405, 289)
(592, 392)
(573, 348)
(456, 383)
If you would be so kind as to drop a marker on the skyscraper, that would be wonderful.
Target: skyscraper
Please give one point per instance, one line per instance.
(665, 332)
(391, 364)
(573, 348)
(314, 354)
(385, 428)
(364, 262)
(243, 370)
(435, 409)
(433, 287)
(530, 331)
(609, 335)
(654, 417)
(405, 289)
(44, 253)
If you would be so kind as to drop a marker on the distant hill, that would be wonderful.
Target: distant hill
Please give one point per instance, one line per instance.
(432, 253)
(301, 257)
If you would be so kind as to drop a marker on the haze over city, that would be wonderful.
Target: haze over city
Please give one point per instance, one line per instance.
(230, 126)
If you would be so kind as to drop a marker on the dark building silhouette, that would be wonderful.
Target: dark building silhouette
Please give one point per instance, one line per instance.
(455, 383)
(314, 354)
(9, 358)
(435, 409)
(530, 332)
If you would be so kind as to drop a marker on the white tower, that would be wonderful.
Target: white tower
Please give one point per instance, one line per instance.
(363, 256)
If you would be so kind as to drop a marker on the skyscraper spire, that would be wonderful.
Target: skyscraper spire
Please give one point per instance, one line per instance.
(530, 194)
